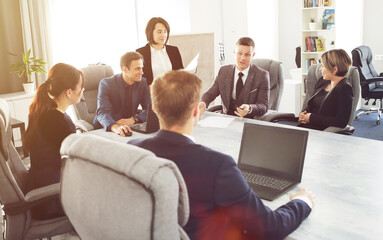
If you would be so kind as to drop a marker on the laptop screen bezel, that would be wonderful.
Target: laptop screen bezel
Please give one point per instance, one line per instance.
(243, 166)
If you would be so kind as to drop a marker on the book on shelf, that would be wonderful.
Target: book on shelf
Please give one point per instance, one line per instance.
(326, 3)
(319, 44)
(309, 62)
(328, 18)
(311, 44)
(314, 3)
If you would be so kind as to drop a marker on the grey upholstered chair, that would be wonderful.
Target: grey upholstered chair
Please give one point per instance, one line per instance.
(313, 76)
(85, 110)
(276, 86)
(112, 190)
(16, 202)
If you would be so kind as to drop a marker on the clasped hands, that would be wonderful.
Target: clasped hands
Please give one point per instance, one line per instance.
(122, 126)
(304, 117)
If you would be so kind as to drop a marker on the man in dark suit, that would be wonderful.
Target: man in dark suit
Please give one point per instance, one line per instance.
(244, 88)
(120, 95)
(222, 205)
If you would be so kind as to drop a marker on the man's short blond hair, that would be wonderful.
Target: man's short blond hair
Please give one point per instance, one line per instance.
(173, 96)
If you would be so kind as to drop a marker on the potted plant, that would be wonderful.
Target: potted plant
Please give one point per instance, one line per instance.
(312, 24)
(26, 68)
(332, 45)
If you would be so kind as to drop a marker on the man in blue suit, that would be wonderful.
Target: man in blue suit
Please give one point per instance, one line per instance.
(120, 95)
(222, 205)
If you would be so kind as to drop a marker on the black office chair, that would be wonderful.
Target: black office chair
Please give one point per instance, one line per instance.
(370, 81)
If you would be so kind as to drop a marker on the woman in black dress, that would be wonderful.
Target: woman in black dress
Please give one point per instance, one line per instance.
(48, 126)
(331, 104)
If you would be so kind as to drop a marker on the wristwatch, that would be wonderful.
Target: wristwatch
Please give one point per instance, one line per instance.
(136, 120)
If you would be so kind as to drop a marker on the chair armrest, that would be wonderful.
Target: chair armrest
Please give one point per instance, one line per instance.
(215, 108)
(33, 198)
(374, 80)
(348, 130)
(268, 116)
(83, 125)
(277, 116)
(42, 193)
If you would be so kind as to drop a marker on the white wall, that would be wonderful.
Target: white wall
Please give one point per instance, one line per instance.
(263, 27)
(289, 33)
(226, 18)
(372, 29)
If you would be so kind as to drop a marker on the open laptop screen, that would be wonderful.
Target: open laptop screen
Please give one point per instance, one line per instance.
(273, 150)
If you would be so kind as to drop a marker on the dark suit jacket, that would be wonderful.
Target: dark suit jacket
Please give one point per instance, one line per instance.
(336, 108)
(174, 56)
(255, 92)
(218, 192)
(112, 94)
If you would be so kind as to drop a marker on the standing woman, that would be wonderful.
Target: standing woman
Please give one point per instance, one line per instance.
(48, 126)
(331, 104)
(159, 57)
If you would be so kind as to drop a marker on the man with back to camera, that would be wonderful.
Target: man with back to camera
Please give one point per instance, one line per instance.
(222, 205)
(244, 88)
(120, 95)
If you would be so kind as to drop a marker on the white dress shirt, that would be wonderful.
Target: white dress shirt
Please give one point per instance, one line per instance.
(160, 61)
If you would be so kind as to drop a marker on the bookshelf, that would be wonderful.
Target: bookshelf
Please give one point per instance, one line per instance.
(318, 38)
(346, 30)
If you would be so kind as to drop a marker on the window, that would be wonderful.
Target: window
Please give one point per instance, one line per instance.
(92, 31)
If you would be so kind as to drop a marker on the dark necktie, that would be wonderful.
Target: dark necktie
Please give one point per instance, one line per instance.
(239, 86)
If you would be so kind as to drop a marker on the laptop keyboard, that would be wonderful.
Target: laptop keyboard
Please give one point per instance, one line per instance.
(266, 181)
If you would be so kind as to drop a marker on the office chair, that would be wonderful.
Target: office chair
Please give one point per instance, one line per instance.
(85, 110)
(313, 76)
(112, 190)
(276, 87)
(15, 201)
(370, 81)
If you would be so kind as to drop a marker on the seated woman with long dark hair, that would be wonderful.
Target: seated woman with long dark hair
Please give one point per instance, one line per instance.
(48, 126)
(331, 104)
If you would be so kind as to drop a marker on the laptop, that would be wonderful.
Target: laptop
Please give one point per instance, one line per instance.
(192, 66)
(271, 158)
(151, 125)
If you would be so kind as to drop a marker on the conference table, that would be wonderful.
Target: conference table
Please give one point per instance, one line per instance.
(345, 174)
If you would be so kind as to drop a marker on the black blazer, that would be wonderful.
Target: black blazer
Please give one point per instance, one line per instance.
(173, 53)
(336, 108)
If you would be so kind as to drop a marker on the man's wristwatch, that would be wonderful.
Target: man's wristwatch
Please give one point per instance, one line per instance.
(136, 120)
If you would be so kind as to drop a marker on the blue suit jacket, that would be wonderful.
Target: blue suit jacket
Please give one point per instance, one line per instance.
(218, 192)
(112, 94)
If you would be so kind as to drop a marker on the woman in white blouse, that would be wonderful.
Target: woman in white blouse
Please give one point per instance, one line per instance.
(158, 56)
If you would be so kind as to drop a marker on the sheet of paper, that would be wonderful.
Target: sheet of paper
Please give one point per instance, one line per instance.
(217, 122)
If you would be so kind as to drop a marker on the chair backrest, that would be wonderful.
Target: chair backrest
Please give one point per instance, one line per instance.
(352, 76)
(86, 108)
(276, 80)
(12, 177)
(13, 172)
(362, 59)
(112, 190)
